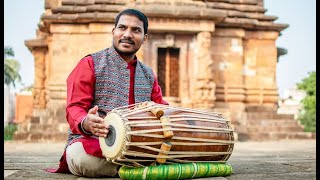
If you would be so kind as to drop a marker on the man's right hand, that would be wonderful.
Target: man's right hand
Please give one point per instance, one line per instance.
(94, 123)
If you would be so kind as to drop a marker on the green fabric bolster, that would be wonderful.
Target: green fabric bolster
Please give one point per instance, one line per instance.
(176, 171)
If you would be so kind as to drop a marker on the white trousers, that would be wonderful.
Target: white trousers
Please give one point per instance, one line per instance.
(82, 164)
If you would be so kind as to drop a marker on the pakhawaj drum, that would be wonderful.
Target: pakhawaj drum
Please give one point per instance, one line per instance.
(147, 133)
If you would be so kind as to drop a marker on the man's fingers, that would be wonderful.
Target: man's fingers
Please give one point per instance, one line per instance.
(93, 110)
(98, 126)
(100, 132)
(101, 135)
(95, 118)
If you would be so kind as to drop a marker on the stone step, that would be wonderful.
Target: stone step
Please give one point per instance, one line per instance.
(23, 127)
(55, 137)
(283, 116)
(57, 127)
(36, 127)
(41, 136)
(43, 127)
(271, 123)
(275, 136)
(288, 128)
(268, 115)
(21, 135)
(254, 108)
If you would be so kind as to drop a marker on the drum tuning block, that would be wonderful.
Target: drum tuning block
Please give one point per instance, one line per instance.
(157, 112)
(165, 148)
(167, 133)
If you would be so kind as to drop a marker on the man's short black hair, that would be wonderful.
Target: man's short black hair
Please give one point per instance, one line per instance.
(136, 13)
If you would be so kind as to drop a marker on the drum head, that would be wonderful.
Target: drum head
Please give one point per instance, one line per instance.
(113, 145)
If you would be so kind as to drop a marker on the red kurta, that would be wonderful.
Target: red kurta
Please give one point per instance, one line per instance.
(80, 91)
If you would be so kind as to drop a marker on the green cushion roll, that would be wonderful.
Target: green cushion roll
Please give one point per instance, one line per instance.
(176, 171)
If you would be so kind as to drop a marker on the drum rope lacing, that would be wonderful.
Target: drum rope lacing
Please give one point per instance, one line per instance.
(127, 113)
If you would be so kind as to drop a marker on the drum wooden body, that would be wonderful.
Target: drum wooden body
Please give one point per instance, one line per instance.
(137, 137)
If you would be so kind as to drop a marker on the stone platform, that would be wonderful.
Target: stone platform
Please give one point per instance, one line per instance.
(276, 160)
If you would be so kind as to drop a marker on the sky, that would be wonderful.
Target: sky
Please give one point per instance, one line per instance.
(22, 17)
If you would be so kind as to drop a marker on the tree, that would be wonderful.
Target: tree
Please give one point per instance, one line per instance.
(11, 67)
(307, 115)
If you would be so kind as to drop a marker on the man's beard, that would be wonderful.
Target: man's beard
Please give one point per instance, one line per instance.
(129, 53)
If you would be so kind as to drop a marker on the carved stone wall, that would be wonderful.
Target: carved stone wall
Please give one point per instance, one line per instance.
(227, 53)
(39, 94)
(260, 60)
(216, 65)
(226, 62)
(204, 90)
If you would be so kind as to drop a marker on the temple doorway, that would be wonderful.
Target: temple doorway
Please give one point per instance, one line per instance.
(168, 71)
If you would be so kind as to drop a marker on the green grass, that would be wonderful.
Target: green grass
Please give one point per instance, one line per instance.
(9, 131)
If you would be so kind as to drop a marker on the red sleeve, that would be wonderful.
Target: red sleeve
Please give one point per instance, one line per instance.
(80, 90)
(156, 95)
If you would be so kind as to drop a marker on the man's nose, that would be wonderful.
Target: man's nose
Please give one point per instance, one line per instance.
(128, 33)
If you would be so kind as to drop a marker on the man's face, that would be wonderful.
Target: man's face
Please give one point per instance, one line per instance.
(128, 35)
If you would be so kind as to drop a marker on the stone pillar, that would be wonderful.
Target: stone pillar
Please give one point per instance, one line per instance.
(260, 60)
(227, 53)
(204, 84)
(39, 95)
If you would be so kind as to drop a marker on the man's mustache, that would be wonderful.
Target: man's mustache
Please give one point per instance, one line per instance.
(126, 41)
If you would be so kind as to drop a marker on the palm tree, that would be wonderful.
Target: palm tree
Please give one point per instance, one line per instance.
(11, 67)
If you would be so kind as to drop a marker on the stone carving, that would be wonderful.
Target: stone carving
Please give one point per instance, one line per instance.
(204, 58)
(39, 100)
(205, 87)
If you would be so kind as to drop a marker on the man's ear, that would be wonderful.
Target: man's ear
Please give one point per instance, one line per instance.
(112, 31)
(145, 38)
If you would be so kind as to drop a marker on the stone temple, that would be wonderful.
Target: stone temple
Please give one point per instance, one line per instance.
(216, 55)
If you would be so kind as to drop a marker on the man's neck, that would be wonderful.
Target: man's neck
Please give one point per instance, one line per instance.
(127, 58)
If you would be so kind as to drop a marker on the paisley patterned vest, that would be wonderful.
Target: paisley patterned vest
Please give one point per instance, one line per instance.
(113, 82)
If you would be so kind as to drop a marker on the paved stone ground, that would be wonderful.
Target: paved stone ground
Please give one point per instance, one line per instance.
(283, 160)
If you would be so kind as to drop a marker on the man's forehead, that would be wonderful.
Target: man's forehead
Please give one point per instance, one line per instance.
(126, 18)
